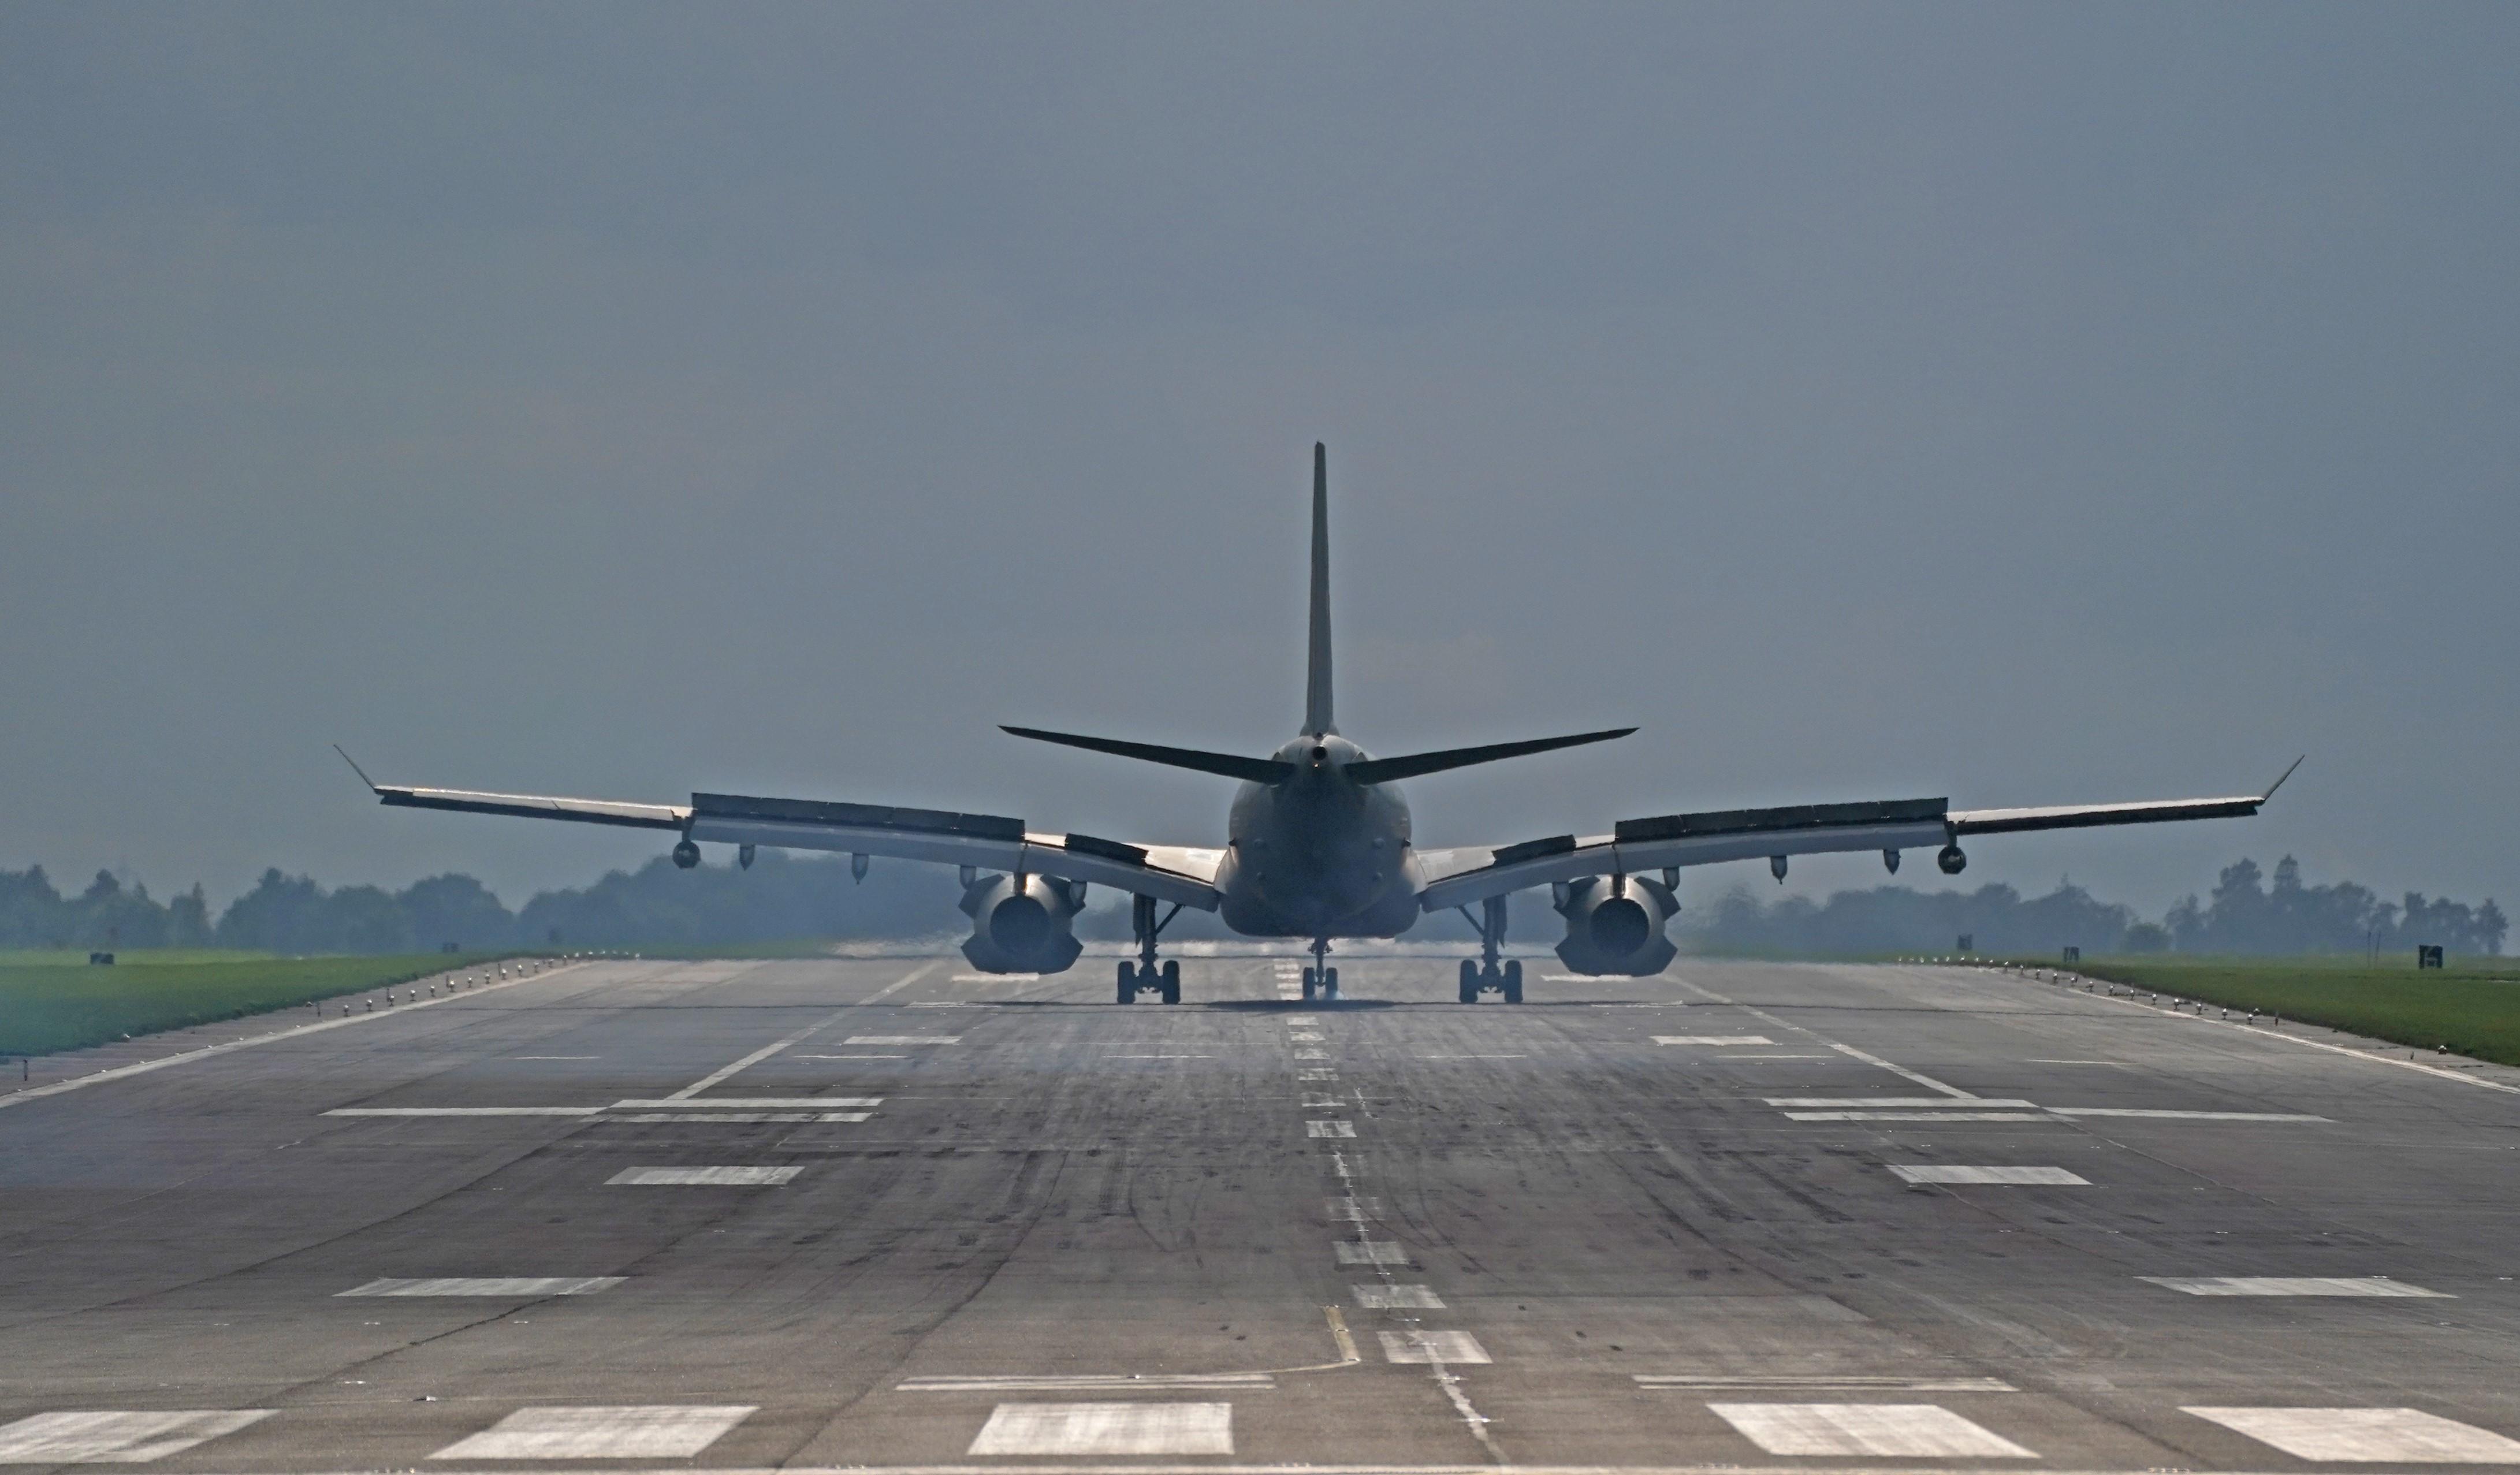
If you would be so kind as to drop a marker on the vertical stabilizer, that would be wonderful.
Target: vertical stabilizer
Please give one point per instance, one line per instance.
(1317, 670)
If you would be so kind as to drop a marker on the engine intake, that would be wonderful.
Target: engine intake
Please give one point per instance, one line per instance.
(1022, 923)
(1614, 925)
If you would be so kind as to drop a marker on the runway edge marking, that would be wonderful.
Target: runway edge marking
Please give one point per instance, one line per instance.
(143, 1067)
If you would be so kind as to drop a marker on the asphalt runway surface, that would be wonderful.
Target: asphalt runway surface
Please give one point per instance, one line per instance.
(884, 1212)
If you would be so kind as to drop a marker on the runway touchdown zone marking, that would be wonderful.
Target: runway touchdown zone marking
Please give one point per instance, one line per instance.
(1429, 1347)
(2408, 1435)
(632, 1432)
(732, 1178)
(1915, 1174)
(1107, 1429)
(110, 1437)
(1879, 1430)
(1329, 1129)
(1370, 1252)
(524, 1287)
(1712, 1040)
(2293, 1285)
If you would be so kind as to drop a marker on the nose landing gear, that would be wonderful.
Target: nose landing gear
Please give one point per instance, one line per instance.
(1145, 976)
(1486, 976)
(1321, 978)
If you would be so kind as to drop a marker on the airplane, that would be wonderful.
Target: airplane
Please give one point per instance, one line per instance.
(1318, 847)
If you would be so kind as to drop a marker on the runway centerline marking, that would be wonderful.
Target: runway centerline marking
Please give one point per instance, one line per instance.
(2371, 1436)
(1107, 1429)
(1897, 1431)
(1918, 1116)
(745, 1103)
(1084, 1382)
(1396, 1297)
(1917, 1173)
(1712, 1040)
(580, 1111)
(1974, 1104)
(658, 1431)
(2295, 1285)
(2185, 1116)
(116, 1436)
(903, 1039)
(1821, 1382)
(509, 1287)
(729, 1177)
(1332, 1129)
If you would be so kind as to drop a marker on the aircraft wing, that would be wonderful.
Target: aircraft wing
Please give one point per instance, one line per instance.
(1459, 877)
(994, 842)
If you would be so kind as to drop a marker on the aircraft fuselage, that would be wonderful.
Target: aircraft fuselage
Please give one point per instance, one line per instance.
(1319, 855)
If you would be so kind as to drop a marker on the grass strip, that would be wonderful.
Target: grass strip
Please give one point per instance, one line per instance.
(49, 1006)
(2474, 1010)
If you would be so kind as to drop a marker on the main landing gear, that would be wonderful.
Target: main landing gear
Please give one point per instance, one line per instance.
(1144, 976)
(1321, 978)
(1485, 976)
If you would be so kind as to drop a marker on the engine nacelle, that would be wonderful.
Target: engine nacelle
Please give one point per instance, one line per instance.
(1614, 925)
(1023, 930)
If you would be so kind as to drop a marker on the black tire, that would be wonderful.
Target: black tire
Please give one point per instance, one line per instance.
(1513, 981)
(1469, 981)
(1172, 982)
(1310, 986)
(1330, 984)
(1128, 983)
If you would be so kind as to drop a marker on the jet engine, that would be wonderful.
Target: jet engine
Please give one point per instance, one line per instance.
(1021, 924)
(1614, 925)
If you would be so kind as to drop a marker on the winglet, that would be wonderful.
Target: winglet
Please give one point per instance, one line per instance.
(354, 768)
(2279, 781)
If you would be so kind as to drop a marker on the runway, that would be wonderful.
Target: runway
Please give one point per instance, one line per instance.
(887, 1214)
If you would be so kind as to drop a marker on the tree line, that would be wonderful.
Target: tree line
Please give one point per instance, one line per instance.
(785, 896)
(2244, 914)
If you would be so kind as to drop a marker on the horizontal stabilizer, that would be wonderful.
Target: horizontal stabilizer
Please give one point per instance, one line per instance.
(1230, 765)
(1416, 765)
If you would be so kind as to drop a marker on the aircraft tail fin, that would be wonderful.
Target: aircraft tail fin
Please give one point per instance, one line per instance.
(1316, 666)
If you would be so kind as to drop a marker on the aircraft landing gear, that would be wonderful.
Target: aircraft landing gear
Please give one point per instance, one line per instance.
(1486, 976)
(1321, 978)
(1146, 976)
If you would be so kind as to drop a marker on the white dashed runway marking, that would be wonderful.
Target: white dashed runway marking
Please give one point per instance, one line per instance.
(903, 1039)
(749, 1103)
(108, 1437)
(2187, 1116)
(1329, 1129)
(1712, 1040)
(2293, 1285)
(1352, 1210)
(1432, 1346)
(720, 1118)
(465, 1111)
(1880, 1430)
(668, 1431)
(1397, 1297)
(1820, 1382)
(733, 1178)
(1107, 1429)
(1310, 1053)
(1372, 1252)
(1943, 1104)
(514, 1287)
(1917, 1116)
(1083, 1382)
(2408, 1435)
(1922, 1175)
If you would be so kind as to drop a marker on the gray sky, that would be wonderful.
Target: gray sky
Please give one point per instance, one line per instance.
(2020, 403)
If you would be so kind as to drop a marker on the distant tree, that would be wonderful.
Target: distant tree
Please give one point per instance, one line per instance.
(457, 910)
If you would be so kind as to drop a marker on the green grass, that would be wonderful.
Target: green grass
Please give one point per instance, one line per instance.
(2472, 1006)
(48, 1006)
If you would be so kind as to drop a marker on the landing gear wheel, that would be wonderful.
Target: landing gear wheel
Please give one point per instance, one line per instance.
(1469, 981)
(1172, 983)
(1128, 983)
(1329, 985)
(1310, 984)
(1513, 981)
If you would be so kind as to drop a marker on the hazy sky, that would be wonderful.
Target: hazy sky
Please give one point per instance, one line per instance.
(2021, 403)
